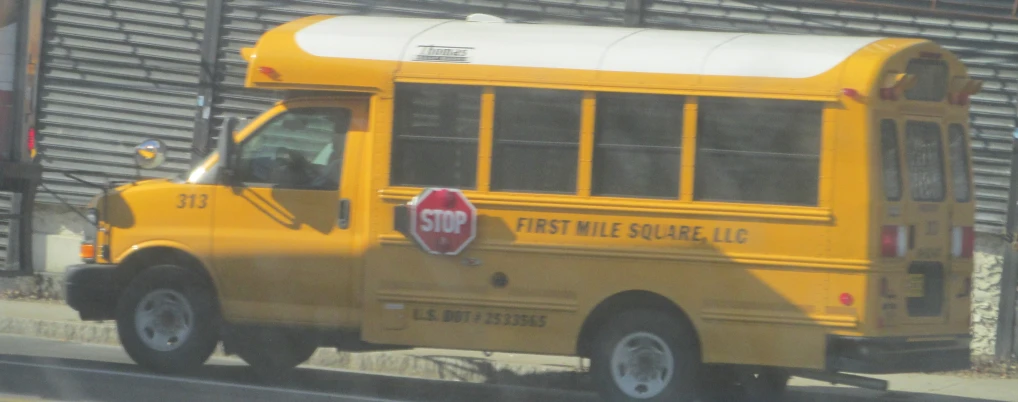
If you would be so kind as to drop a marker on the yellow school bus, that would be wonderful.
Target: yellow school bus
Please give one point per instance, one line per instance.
(693, 211)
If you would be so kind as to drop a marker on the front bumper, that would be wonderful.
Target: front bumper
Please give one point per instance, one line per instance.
(91, 290)
(898, 354)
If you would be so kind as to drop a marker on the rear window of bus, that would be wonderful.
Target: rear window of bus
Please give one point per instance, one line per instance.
(959, 163)
(923, 150)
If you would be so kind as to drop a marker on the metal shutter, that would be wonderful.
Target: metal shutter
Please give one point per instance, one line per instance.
(115, 73)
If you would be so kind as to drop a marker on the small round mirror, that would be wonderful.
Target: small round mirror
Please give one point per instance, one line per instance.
(150, 154)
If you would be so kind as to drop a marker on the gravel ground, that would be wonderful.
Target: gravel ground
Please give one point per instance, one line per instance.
(987, 368)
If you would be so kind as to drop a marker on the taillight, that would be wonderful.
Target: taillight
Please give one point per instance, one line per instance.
(31, 142)
(963, 241)
(846, 299)
(893, 241)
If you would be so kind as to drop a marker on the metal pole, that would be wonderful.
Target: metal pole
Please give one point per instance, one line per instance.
(207, 80)
(1005, 343)
(634, 13)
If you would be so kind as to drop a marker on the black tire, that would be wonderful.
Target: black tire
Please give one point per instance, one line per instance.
(765, 385)
(189, 353)
(679, 385)
(719, 383)
(273, 352)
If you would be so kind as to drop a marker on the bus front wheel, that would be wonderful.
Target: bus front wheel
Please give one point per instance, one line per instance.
(645, 355)
(167, 319)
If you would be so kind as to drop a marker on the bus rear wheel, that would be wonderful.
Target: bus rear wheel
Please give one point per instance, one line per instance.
(645, 355)
(273, 352)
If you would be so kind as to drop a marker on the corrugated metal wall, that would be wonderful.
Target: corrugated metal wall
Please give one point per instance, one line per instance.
(5, 227)
(996, 8)
(115, 73)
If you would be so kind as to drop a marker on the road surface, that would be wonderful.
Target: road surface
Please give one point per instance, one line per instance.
(38, 369)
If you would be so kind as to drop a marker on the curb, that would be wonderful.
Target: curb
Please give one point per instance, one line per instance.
(433, 367)
(81, 332)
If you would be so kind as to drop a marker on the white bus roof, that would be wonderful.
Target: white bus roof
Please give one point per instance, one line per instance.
(579, 47)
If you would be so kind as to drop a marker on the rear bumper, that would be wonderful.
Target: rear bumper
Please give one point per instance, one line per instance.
(898, 354)
(90, 289)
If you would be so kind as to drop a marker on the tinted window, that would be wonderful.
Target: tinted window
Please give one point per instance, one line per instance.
(435, 136)
(537, 133)
(923, 150)
(889, 159)
(300, 148)
(959, 163)
(931, 80)
(758, 151)
(637, 145)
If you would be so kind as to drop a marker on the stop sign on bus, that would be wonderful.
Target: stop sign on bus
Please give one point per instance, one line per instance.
(442, 221)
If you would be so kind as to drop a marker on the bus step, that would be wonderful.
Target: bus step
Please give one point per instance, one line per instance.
(843, 379)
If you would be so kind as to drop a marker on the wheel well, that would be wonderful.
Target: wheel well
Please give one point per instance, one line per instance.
(146, 258)
(619, 303)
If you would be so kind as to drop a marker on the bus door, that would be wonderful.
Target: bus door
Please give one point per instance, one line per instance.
(926, 209)
(283, 236)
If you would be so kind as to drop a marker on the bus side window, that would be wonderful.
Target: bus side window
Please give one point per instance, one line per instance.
(287, 151)
(762, 151)
(536, 140)
(890, 160)
(435, 134)
(637, 145)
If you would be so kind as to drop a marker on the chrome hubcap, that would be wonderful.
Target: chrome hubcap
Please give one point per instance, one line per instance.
(642, 365)
(163, 319)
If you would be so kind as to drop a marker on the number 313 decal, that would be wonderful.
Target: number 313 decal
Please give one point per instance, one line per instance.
(199, 201)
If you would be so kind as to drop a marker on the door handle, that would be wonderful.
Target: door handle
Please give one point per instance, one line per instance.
(344, 213)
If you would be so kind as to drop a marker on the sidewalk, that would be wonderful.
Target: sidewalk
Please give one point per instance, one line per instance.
(57, 321)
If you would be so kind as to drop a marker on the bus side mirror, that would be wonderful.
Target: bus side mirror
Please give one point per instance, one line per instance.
(225, 146)
(150, 154)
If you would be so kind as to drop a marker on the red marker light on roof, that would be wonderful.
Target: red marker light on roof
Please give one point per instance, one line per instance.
(888, 94)
(962, 99)
(850, 92)
(269, 71)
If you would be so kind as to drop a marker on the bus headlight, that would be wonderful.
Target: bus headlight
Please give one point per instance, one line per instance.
(91, 231)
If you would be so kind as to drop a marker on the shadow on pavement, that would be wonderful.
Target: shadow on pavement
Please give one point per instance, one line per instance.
(844, 394)
(77, 379)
